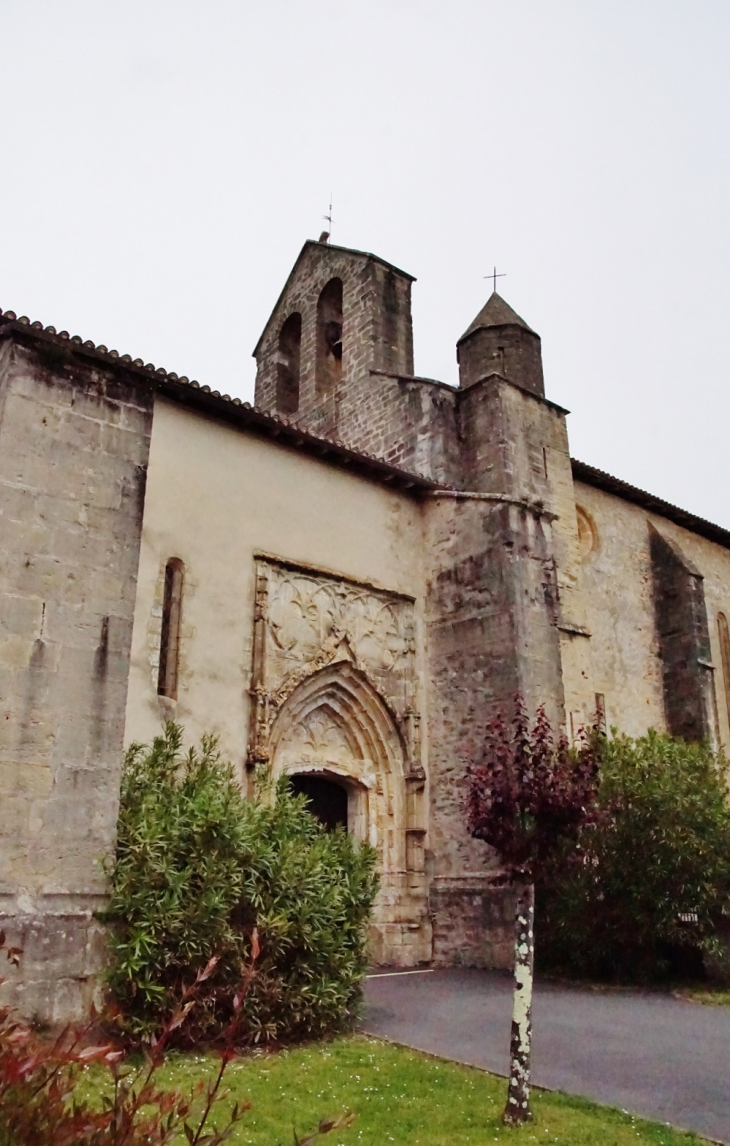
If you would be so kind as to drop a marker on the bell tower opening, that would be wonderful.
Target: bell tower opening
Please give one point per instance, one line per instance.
(328, 373)
(288, 365)
(326, 800)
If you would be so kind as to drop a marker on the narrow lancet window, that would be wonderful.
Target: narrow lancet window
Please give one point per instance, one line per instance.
(170, 636)
(724, 634)
(329, 337)
(288, 365)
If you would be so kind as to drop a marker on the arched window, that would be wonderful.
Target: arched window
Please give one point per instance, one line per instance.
(170, 636)
(724, 634)
(329, 337)
(287, 377)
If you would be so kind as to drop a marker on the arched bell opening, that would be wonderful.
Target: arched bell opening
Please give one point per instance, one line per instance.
(328, 368)
(289, 365)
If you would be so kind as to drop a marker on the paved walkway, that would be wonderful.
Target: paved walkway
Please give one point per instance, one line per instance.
(644, 1052)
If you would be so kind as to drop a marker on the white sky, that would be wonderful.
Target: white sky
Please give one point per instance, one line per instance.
(163, 162)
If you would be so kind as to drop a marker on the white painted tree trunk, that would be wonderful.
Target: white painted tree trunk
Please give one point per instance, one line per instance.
(518, 1092)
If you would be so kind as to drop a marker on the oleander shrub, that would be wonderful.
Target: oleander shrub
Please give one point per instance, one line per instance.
(647, 893)
(198, 867)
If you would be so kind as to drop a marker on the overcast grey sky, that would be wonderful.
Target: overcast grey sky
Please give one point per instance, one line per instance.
(163, 162)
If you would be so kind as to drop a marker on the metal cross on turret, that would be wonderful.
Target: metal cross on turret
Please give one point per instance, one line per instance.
(494, 276)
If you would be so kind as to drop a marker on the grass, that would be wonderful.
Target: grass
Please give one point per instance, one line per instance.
(714, 997)
(400, 1096)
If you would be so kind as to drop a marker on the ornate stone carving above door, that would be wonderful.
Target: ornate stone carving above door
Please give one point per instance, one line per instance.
(306, 620)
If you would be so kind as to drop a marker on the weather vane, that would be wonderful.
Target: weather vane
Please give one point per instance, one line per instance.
(494, 276)
(324, 237)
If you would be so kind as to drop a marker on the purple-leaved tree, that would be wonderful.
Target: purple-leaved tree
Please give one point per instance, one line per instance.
(529, 791)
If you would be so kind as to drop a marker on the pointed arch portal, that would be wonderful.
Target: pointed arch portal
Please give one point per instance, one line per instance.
(336, 727)
(334, 694)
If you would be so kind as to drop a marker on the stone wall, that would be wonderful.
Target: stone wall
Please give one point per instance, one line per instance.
(616, 586)
(491, 613)
(74, 440)
(409, 422)
(473, 922)
(376, 335)
(494, 607)
(509, 350)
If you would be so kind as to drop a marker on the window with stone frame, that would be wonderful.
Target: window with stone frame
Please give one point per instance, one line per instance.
(170, 635)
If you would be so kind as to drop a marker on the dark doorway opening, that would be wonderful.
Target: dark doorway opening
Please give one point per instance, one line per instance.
(325, 799)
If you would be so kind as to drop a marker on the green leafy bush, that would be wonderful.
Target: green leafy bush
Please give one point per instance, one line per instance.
(198, 866)
(649, 885)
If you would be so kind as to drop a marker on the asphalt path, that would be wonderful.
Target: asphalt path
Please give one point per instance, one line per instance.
(646, 1052)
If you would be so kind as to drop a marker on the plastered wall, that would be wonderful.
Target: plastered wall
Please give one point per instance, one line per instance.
(265, 532)
(215, 498)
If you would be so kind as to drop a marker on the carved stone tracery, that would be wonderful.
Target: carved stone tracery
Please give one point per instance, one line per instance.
(305, 621)
(333, 690)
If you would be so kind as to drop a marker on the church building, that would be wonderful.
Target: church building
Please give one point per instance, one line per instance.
(344, 581)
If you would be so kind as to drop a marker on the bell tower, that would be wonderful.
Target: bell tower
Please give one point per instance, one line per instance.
(342, 321)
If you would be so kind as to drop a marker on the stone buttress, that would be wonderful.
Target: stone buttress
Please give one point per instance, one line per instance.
(74, 442)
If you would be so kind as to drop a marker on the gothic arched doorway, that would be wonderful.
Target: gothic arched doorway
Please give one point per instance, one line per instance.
(337, 741)
(335, 729)
(326, 799)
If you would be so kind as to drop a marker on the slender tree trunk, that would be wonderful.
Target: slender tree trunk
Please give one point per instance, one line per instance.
(518, 1093)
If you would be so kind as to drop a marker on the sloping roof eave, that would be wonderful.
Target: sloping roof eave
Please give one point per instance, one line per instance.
(589, 475)
(233, 410)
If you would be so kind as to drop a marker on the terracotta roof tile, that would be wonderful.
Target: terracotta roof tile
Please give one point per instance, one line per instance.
(189, 392)
(601, 480)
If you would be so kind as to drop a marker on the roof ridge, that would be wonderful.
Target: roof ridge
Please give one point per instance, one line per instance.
(363, 254)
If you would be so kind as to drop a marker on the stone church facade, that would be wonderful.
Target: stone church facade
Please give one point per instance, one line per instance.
(344, 581)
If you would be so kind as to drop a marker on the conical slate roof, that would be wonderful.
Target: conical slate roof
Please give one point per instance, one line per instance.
(496, 312)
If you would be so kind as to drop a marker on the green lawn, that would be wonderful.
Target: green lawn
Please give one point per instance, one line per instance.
(400, 1096)
(712, 996)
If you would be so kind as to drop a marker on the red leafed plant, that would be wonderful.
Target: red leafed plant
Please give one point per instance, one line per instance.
(530, 791)
(39, 1104)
